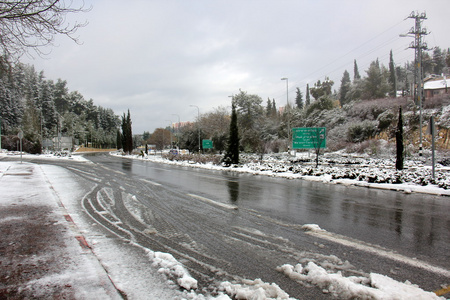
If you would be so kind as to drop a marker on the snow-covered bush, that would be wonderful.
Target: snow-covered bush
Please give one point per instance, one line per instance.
(361, 131)
(385, 119)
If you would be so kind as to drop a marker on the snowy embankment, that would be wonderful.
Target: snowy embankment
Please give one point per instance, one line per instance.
(335, 169)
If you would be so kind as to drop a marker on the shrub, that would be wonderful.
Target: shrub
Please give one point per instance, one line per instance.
(324, 103)
(10, 143)
(358, 132)
(385, 120)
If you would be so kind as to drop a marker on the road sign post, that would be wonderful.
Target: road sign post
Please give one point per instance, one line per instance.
(20, 135)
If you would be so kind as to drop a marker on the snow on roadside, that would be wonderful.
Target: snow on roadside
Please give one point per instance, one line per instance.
(376, 286)
(254, 289)
(370, 173)
(169, 266)
(51, 156)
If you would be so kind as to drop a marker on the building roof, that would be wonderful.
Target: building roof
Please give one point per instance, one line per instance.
(436, 84)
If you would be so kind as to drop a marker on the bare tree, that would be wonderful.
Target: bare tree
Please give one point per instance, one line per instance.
(318, 140)
(31, 25)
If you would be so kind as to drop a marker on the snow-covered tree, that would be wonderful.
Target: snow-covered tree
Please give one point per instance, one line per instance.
(375, 84)
(345, 87)
(322, 88)
(356, 75)
(307, 96)
(299, 99)
(392, 77)
(250, 115)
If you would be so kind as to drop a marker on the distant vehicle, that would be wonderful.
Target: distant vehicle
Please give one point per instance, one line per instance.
(173, 151)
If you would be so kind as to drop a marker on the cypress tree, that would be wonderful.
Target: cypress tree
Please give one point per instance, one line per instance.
(119, 139)
(232, 154)
(356, 75)
(299, 99)
(269, 108)
(399, 141)
(274, 108)
(129, 133)
(307, 97)
(124, 133)
(127, 136)
(392, 77)
(345, 87)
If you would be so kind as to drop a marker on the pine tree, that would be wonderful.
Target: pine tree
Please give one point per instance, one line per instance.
(48, 109)
(438, 61)
(307, 97)
(356, 75)
(392, 77)
(345, 87)
(232, 154)
(299, 99)
(375, 85)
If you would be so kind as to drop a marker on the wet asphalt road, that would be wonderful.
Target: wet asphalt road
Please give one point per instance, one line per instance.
(190, 214)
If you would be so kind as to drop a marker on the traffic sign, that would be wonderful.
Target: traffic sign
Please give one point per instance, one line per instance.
(207, 144)
(309, 137)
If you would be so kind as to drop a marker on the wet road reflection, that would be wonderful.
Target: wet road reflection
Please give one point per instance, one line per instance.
(415, 224)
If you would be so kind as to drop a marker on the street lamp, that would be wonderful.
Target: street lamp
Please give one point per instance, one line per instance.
(287, 111)
(198, 121)
(178, 131)
(171, 125)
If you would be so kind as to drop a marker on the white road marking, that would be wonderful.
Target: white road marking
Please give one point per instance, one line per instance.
(151, 182)
(378, 250)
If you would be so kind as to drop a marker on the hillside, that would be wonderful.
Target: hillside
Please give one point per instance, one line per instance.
(369, 125)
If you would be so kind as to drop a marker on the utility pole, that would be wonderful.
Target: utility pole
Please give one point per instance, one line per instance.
(198, 124)
(417, 31)
(287, 113)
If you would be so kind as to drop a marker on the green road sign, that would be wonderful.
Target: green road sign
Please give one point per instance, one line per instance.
(309, 137)
(207, 144)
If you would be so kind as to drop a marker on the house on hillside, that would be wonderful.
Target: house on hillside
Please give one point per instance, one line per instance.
(436, 86)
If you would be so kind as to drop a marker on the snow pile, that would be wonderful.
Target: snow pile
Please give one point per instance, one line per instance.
(170, 267)
(375, 286)
(254, 289)
(50, 155)
(312, 227)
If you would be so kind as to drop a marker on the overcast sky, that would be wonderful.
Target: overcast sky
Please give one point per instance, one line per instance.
(157, 58)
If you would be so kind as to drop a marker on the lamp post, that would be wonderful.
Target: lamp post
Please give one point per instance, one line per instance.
(178, 131)
(171, 125)
(198, 121)
(287, 111)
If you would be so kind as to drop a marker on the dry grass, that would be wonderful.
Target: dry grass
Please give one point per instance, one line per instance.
(86, 149)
